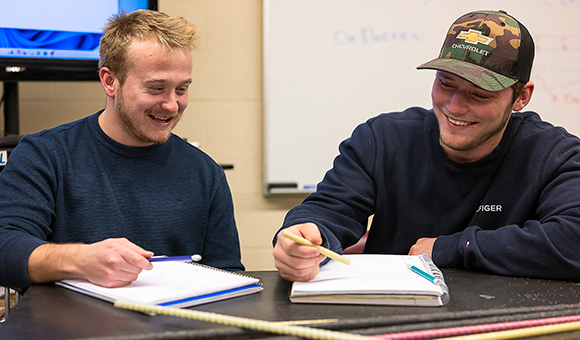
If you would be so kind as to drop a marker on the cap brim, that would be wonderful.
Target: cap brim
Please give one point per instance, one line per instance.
(480, 76)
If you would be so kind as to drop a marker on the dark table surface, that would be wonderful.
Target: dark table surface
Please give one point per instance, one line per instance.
(51, 312)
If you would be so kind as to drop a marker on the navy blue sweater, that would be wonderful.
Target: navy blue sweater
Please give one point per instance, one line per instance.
(514, 212)
(75, 184)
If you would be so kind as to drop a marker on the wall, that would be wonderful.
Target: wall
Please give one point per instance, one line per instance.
(224, 113)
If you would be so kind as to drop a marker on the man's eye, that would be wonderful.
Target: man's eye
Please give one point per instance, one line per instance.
(444, 84)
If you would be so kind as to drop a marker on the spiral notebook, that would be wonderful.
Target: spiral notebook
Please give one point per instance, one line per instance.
(175, 284)
(375, 280)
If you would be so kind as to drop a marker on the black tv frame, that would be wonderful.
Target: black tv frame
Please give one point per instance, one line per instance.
(48, 69)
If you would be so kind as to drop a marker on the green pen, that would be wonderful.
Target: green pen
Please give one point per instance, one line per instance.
(424, 274)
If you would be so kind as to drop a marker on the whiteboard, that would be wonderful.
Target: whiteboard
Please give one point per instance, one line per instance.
(329, 65)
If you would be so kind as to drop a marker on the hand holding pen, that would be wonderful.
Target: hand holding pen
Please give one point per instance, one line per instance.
(163, 258)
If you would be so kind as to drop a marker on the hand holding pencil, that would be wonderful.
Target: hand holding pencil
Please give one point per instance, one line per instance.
(294, 261)
(322, 250)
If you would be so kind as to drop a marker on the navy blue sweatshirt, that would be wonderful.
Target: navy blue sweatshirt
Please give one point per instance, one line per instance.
(75, 184)
(514, 212)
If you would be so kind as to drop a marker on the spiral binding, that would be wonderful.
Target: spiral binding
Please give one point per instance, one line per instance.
(238, 273)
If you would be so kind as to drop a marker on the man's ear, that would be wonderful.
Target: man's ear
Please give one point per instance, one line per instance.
(524, 98)
(109, 81)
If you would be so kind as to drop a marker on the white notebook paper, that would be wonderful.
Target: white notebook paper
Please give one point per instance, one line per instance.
(175, 284)
(374, 279)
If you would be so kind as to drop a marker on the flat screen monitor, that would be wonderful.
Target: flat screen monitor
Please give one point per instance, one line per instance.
(51, 40)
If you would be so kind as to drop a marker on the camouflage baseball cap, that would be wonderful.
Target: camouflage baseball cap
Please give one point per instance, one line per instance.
(490, 49)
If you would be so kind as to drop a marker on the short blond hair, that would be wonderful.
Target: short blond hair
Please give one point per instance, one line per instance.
(171, 32)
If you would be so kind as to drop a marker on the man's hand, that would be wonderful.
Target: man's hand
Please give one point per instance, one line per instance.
(109, 263)
(423, 246)
(296, 262)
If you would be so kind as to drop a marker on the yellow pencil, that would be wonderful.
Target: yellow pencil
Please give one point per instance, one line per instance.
(321, 249)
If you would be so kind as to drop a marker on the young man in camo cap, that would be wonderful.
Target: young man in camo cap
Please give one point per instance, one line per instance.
(473, 182)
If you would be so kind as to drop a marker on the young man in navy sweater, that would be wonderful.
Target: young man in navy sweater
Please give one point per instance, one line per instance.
(96, 198)
(473, 182)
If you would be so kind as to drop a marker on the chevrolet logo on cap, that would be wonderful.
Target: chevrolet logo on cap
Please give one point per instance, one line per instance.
(474, 37)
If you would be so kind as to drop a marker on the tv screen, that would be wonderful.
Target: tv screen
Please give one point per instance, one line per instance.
(56, 39)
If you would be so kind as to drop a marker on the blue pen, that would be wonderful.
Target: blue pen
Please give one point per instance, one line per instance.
(194, 258)
(425, 275)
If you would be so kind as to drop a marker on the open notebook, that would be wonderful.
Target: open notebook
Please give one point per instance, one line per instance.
(175, 284)
(376, 280)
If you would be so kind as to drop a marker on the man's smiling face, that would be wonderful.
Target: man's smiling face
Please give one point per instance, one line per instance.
(154, 94)
(471, 120)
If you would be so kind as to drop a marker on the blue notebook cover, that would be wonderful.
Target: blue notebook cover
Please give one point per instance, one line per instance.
(175, 284)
